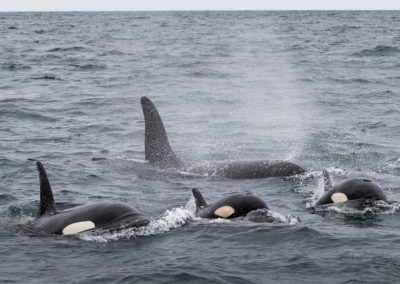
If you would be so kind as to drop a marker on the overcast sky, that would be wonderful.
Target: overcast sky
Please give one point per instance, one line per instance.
(156, 5)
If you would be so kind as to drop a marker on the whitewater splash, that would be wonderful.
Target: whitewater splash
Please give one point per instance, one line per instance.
(277, 217)
(289, 219)
(313, 194)
(171, 219)
(378, 207)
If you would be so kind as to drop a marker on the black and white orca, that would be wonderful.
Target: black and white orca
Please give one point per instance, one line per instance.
(159, 153)
(246, 205)
(357, 193)
(104, 215)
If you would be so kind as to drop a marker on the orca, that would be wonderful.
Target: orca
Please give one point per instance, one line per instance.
(102, 215)
(159, 153)
(357, 193)
(246, 205)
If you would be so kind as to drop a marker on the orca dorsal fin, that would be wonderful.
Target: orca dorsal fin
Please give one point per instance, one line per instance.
(47, 204)
(327, 181)
(157, 148)
(199, 198)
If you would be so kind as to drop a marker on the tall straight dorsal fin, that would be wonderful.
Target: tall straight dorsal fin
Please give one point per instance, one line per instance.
(199, 199)
(327, 181)
(47, 204)
(157, 148)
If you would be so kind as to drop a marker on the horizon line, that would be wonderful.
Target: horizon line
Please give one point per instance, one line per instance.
(208, 10)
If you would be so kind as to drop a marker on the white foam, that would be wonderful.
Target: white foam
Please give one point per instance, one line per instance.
(318, 174)
(289, 219)
(394, 163)
(171, 219)
(336, 171)
(219, 220)
(378, 208)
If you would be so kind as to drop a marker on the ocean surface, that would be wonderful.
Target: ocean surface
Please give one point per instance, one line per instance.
(321, 89)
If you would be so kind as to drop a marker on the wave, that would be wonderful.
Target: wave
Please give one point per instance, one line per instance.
(89, 67)
(23, 114)
(6, 198)
(344, 28)
(112, 52)
(47, 77)
(207, 74)
(63, 49)
(15, 67)
(355, 80)
(22, 214)
(371, 125)
(379, 50)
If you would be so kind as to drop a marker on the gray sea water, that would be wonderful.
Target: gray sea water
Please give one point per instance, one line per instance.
(320, 89)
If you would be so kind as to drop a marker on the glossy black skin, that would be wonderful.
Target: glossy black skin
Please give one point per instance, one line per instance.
(362, 189)
(105, 215)
(159, 153)
(243, 203)
(249, 169)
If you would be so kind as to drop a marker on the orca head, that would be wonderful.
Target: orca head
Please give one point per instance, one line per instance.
(241, 204)
(105, 215)
(361, 189)
(361, 192)
(232, 206)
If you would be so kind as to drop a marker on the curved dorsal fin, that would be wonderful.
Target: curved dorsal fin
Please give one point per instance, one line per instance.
(157, 148)
(327, 181)
(199, 198)
(47, 204)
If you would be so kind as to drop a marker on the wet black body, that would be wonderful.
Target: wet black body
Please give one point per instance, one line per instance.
(159, 153)
(248, 169)
(363, 190)
(243, 204)
(104, 215)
